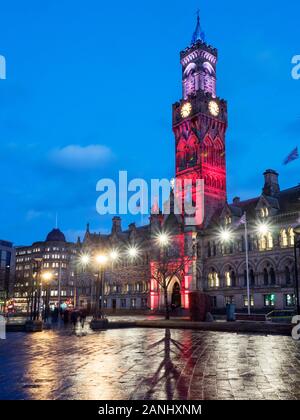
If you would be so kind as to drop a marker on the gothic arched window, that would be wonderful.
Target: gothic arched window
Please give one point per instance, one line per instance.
(273, 276)
(287, 275)
(291, 235)
(284, 238)
(266, 277)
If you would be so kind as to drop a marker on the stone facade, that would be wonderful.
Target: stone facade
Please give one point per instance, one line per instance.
(54, 255)
(214, 246)
(7, 263)
(222, 265)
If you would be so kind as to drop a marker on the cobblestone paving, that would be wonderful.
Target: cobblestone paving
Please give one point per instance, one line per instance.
(148, 364)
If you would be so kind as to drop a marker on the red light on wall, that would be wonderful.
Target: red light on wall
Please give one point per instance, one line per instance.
(186, 300)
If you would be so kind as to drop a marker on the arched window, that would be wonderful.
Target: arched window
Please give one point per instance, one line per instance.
(284, 238)
(266, 241)
(252, 278)
(233, 279)
(214, 249)
(273, 276)
(291, 235)
(264, 212)
(230, 278)
(266, 277)
(270, 242)
(287, 275)
(213, 279)
(245, 277)
(263, 243)
(228, 220)
(208, 250)
(181, 155)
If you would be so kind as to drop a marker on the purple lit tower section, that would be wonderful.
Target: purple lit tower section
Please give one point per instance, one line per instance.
(199, 126)
(199, 66)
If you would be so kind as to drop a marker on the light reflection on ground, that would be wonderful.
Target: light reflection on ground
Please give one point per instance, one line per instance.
(148, 364)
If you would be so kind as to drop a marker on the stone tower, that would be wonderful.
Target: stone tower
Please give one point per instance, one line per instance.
(199, 126)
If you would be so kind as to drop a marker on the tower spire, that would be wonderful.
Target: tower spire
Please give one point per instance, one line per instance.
(198, 34)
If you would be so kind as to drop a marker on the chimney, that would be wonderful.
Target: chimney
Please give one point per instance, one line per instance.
(116, 226)
(132, 227)
(236, 201)
(271, 186)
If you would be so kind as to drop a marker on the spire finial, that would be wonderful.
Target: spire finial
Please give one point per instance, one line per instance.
(198, 34)
(56, 220)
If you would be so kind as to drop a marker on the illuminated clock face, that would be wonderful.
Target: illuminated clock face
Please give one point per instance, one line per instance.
(214, 108)
(186, 110)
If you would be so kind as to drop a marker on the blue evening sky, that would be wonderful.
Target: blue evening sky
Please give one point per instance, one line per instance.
(89, 91)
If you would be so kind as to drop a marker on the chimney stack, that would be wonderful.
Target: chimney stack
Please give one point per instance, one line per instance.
(116, 226)
(271, 186)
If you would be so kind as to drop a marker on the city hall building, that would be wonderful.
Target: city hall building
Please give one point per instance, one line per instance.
(215, 250)
(218, 268)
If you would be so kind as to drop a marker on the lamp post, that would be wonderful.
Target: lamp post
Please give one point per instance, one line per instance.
(101, 260)
(46, 277)
(297, 246)
(162, 240)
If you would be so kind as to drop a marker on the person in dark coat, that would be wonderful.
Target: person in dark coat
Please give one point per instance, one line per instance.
(74, 318)
(83, 314)
(66, 316)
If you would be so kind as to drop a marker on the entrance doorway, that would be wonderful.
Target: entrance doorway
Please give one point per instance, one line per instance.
(176, 296)
(114, 305)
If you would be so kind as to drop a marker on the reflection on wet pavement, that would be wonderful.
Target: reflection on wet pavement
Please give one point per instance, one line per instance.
(148, 364)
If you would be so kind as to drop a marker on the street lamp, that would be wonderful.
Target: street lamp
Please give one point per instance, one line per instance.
(132, 252)
(46, 277)
(263, 228)
(225, 235)
(163, 239)
(297, 246)
(114, 255)
(84, 259)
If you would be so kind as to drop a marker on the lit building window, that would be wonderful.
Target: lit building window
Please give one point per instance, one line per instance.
(230, 278)
(266, 242)
(264, 212)
(291, 235)
(284, 238)
(289, 300)
(228, 220)
(246, 301)
(269, 300)
(227, 279)
(213, 279)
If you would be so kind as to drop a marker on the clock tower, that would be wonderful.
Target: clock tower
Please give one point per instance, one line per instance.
(199, 126)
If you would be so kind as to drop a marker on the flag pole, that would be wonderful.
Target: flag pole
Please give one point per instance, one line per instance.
(247, 265)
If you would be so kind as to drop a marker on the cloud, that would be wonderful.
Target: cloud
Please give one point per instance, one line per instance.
(74, 157)
(33, 214)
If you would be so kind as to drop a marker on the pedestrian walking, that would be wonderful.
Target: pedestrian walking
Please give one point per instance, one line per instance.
(83, 314)
(74, 318)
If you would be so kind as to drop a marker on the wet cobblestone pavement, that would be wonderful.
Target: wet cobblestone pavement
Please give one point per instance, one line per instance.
(148, 364)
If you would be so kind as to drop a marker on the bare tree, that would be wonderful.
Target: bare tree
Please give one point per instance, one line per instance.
(166, 267)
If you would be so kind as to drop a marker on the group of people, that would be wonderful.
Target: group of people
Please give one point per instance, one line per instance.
(78, 315)
(69, 315)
